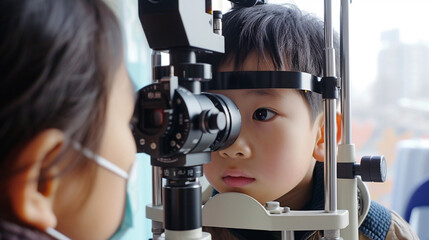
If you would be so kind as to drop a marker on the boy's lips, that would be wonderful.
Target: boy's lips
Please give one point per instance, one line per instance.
(234, 178)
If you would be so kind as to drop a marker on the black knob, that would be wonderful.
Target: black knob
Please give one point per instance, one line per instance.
(217, 14)
(372, 169)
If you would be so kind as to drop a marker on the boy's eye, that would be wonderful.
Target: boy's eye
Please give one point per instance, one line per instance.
(263, 114)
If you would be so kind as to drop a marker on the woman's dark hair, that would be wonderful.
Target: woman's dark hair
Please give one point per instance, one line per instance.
(281, 33)
(57, 60)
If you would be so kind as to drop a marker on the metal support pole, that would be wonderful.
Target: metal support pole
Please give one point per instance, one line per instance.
(347, 188)
(157, 227)
(330, 170)
(156, 186)
(329, 41)
(346, 137)
(156, 61)
(330, 126)
(330, 165)
(288, 235)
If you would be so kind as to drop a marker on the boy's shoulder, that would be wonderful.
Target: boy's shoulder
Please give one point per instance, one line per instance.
(377, 222)
(400, 229)
(382, 223)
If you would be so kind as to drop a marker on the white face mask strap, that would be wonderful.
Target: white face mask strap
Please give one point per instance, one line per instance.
(101, 161)
(55, 234)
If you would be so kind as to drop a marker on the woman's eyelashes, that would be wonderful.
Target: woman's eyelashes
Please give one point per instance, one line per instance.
(263, 114)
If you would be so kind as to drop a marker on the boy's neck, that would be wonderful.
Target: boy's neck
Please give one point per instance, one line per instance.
(299, 196)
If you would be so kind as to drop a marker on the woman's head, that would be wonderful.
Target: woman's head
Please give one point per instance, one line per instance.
(57, 57)
(60, 63)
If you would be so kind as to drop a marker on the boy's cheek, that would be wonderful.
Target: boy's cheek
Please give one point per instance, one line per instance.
(212, 175)
(210, 169)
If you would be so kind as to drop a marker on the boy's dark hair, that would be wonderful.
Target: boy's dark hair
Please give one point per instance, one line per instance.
(282, 34)
(57, 62)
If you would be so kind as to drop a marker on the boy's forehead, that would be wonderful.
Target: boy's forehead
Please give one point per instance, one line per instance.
(254, 61)
(271, 92)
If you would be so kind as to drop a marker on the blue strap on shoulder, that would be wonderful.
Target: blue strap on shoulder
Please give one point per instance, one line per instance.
(377, 222)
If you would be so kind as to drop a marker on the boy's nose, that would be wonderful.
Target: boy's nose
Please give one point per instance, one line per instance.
(238, 150)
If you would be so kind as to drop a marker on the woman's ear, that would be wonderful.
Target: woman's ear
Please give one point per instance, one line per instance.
(30, 197)
(319, 149)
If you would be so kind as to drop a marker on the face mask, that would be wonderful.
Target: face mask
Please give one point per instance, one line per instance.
(131, 204)
(131, 195)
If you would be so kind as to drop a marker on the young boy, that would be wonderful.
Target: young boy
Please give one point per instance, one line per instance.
(280, 151)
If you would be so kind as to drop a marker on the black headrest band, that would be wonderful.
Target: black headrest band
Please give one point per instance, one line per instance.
(263, 79)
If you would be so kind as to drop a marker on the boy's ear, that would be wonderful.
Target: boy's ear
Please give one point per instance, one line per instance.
(31, 198)
(319, 149)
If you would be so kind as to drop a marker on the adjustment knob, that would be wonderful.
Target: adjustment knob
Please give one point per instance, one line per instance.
(212, 121)
(217, 121)
(372, 168)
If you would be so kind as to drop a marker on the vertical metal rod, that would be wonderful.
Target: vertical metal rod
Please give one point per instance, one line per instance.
(329, 41)
(330, 116)
(157, 227)
(346, 135)
(347, 188)
(156, 171)
(330, 157)
(330, 165)
(156, 186)
(156, 61)
(288, 235)
(330, 125)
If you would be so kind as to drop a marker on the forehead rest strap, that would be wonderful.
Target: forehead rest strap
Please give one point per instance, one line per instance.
(263, 79)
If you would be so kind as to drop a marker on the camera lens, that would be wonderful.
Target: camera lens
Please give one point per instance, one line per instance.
(153, 118)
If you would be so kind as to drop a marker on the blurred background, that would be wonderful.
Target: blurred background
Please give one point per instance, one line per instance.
(389, 54)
